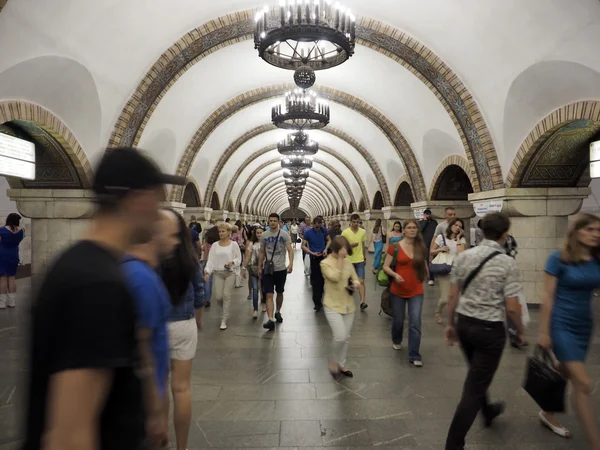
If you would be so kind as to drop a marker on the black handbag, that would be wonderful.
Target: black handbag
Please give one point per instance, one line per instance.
(269, 264)
(544, 383)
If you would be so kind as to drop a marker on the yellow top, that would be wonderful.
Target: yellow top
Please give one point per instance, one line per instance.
(336, 297)
(359, 238)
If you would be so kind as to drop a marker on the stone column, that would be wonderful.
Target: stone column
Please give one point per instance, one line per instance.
(202, 215)
(539, 221)
(58, 218)
(392, 214)
(464, 211)
(178, 207)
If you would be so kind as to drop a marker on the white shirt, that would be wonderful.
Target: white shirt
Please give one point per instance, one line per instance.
(450, 243)
(294, 229)
(219, 256)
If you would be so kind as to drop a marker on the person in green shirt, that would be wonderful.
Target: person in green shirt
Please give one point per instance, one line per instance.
(357, 237)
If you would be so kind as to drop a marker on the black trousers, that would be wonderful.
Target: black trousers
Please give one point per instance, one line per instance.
(316, 280)
(482, 343)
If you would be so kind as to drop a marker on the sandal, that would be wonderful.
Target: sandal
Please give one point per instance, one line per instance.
(556, 429)
(438, 318)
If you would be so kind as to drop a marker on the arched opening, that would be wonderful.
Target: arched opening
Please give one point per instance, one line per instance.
(351, 208)
(378, 201)
(452, 184)
(361, 205)
(240, 209)
(191, 197)
(343, 209)
(404, 195)
(215, 203)
(230, 207)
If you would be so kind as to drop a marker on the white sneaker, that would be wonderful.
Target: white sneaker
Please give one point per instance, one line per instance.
(223, 325)
(430, 283)
(417, 363)
(397, 346)
(11, 302)
(3, 301)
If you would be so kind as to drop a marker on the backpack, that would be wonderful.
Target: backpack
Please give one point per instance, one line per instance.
(383, 279)
(386, 303)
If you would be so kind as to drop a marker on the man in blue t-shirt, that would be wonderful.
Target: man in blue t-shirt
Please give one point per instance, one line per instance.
(150, 294)
(316, 243)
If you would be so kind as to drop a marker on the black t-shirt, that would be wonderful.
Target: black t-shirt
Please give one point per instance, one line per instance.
(84, 317)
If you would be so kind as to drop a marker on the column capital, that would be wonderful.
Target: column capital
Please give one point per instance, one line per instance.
(532, 202)
(219, 214)
(177, 206)
(200, 212)
(397, 212)
(53, 203)
(376, 214)
(464, 208)
(365, 215)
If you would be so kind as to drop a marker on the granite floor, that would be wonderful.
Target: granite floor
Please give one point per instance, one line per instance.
(254, 389)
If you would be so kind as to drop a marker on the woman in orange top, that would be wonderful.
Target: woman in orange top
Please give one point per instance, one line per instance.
(406, 287)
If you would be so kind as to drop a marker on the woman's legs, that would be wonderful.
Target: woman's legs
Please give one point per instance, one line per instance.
(228, 287)
(582, 401)
(415, 309)
(254, 290)
(399, 308)
(444, 282)
(377, 258)
(3, 292)
(340, 325)
(181, 374)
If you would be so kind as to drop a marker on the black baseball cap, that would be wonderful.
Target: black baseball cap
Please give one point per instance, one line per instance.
(122, 170)
(427, 211)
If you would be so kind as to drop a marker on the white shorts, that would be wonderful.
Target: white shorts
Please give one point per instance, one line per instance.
(183, 339)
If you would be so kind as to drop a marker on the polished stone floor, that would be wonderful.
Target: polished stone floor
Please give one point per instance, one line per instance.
(254, 389)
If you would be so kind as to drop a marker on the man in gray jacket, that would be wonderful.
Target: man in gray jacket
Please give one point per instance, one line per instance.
(427, 225)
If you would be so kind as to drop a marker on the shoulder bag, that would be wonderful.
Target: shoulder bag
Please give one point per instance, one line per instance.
(473, 274)
(269, 264)
(442, 263)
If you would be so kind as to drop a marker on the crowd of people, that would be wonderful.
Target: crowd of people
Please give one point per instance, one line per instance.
(115, 320)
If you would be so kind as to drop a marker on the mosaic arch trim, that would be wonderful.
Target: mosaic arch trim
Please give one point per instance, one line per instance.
(534, 142)
(227, 110)
(452, 160)
(322, 148)
(270, 127)
(25, 111)
(309, 196)
(277, 169)
(331, 199)
(268, 163)
(276, 193)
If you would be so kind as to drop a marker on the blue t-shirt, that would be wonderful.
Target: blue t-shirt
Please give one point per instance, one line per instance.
(316, 239)
(153, 307)
(195, 237)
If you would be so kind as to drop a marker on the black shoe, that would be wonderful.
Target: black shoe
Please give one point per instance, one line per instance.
(347, 373)
(278, 317)
(493, 411)
(318, 308)
(269, 325)
(207, 304)
(363, 306)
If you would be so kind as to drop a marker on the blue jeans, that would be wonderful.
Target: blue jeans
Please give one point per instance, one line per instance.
(415, 308)
(254, 281)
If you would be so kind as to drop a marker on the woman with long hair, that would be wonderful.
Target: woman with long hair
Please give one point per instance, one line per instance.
(395, 234)
(406, 287)
(377, 238)
(251, 267)
(567, 317)
(11, 235)
(183, 279)
(453, 243)
(223, 263)
(341, 281)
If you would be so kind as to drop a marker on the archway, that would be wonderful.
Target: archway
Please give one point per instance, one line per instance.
(452, 184)
(191, 197)
(404, 195)
(361, 205)
(215, 203)
(378, 201)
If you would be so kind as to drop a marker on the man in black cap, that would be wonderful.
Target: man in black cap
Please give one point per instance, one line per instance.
(427, 225)
(91, 384)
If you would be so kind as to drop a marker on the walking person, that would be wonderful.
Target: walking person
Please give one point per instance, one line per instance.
(395, 235)
(427, 226)
(449, 214)
(251, 266)
(275, 244)
(11, 235)
(182, 277)
(304, 226)
(406, 288)
(567, 317)
(453, 244)
(316, 244)
(294, 229)
(223, 264)
(82, 392)
(340, 282)
(485, 288)
(378, 237)
(357, 237)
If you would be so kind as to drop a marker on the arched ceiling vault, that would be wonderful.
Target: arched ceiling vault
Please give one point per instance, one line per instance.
(308, 199)
(245, 187)
(420, 60)
(238, 175)
(382, 184)
(394, 136)
(331, 200)
(278, 194)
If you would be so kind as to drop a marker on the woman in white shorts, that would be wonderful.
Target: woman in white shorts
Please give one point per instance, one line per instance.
(183, 278)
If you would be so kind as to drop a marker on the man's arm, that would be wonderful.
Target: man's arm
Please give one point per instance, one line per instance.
(261, 257)
(305, 247)
(291, 256)
(327, 245)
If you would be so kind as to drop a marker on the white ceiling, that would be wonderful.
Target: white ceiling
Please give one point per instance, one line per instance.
(83, 59)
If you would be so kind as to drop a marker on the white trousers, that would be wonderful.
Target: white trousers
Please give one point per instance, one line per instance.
(341, 327)
(222, 289)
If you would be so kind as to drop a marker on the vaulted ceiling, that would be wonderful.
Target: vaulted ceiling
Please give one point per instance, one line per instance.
(430, 79)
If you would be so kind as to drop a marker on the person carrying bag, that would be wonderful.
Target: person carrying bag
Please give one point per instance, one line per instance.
(544, 384)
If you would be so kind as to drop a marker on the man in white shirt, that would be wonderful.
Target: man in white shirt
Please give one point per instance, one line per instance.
(449, 214)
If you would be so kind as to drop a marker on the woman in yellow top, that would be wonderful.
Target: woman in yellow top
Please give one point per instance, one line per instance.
(340, 282)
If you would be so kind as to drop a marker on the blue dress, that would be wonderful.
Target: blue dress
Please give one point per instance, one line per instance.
(392, 240)
(9, 251)
(572, 319)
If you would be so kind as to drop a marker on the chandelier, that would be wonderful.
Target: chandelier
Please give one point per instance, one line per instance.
(301, 110)
(295, 182)
(295, 174)
(297, 143)
(297, 163)
(314, 33)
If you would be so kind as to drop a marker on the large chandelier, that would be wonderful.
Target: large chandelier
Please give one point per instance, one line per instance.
(295, 174)
(314, 33)
(296, 163)
(295, 182)
(301, 110)
(297, 143)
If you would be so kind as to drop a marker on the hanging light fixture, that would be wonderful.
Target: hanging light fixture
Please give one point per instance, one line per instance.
(295, 174)
(297, 163)
(295, 182)
(297, 143)
(301, 110)
(314, 33)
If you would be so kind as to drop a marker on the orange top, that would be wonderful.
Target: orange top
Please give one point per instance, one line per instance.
(411, 285)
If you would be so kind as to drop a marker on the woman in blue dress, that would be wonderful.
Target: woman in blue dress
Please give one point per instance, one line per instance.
(566, 323)
(11, 236)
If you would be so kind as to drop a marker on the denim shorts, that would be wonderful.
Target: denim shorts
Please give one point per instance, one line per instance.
(360, 269)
